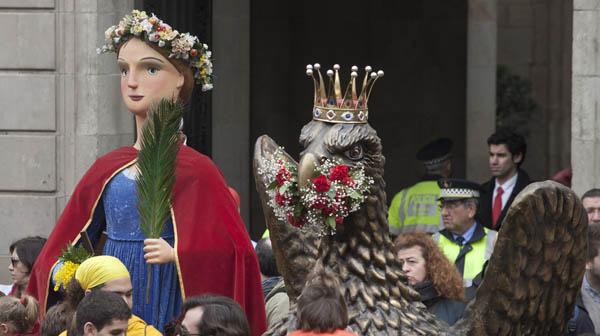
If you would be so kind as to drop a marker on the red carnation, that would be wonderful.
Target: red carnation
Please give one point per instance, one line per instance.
(282, 176)
(328, 210)
(280, 199)
(339, 220)
(319, 203)
(321, 183)
(339, 173)
(297, 222)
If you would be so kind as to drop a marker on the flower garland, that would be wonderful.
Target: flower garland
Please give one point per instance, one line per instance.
(281, 177)
(71, 258)
(331, 195)
(179, 45)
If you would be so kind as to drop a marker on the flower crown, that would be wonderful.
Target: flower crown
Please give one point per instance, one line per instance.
(152, 29)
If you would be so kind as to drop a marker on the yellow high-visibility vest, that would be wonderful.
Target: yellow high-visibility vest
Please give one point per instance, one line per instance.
(474, 259)
(416, 209)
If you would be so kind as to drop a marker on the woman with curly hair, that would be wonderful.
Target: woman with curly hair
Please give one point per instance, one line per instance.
(432, 275)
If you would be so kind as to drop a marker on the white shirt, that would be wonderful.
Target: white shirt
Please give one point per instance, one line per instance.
(508, 187)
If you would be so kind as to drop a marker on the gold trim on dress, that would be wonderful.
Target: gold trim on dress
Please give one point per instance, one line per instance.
(175, 246)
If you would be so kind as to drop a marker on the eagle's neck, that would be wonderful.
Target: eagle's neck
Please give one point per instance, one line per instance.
(360, 255)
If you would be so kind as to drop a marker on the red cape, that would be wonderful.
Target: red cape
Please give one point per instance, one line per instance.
(213, 247)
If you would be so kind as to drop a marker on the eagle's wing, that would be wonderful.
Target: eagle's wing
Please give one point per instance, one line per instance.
(535, 272)
(295, 250)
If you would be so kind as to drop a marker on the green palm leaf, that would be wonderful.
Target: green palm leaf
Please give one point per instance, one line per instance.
(156, 165)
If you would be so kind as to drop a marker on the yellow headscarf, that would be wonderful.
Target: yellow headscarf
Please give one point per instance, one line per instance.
(98, 270)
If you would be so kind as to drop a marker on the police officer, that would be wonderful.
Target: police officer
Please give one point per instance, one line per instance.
(463, 240)
(416, 208)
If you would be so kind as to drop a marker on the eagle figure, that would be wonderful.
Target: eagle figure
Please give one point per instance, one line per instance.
(534, 273)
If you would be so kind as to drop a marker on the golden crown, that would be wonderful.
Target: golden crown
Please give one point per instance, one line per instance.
(333, 106)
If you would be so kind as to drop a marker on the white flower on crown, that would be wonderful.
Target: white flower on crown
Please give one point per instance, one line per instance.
(147, 26)
(168, 34)
(137, 29)
(207, 87)
(182, 45)
(109, 32)
(154, 37)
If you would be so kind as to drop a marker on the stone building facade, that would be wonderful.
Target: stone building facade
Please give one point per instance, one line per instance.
(59, 102)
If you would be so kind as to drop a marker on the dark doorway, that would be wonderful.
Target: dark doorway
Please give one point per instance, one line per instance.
(421, 46)
(195, 17)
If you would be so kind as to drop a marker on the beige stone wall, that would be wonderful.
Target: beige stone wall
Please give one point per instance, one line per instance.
(60, 108)
(534, 41)
(585, 141)
(481, 84)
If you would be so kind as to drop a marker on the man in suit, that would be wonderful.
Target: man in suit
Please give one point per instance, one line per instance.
(506, 154)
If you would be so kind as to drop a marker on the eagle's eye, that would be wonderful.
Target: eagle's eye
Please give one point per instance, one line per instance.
(355, 152)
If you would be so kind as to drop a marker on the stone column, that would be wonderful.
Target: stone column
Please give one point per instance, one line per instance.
(481, 85)
(231, 96)
(61, 108)
(585, 119)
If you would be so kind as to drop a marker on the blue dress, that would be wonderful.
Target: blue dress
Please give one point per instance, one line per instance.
(126, 241)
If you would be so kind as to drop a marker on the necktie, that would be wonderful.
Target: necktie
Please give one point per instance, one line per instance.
(460, 240)
(497, 208)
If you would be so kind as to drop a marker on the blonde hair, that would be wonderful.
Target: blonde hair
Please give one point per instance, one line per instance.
(21, 313)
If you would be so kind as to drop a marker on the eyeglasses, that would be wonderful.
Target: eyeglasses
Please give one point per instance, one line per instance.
(14, 262)
(180, 330)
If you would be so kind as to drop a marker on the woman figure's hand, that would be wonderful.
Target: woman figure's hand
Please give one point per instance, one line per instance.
(158, 251)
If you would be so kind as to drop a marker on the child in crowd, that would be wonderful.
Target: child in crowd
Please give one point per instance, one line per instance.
(17, 316)
(321, 308)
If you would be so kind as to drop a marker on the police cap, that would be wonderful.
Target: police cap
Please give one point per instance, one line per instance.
(436, 151)
(457, 189)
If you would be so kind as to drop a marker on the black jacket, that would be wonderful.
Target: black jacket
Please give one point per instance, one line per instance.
(484, 212)
(580, 322)
(445, 309)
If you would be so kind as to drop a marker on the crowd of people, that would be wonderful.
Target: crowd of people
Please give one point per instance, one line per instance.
(442, 221)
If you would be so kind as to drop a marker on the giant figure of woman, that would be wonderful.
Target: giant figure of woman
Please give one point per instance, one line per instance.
(204, 247)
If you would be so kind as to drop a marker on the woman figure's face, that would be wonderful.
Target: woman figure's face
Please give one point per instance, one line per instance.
(413, 264)
(146, 77)
(18, 271)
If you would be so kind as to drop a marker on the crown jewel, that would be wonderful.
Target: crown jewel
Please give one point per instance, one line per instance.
(183, 46)
(334, 106)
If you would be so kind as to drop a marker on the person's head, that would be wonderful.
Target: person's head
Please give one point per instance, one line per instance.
(592, 265)
(100, 273)
(321, 305)
(591, 203)
(147, 75)
(17, 316)
(23, 254)
(459, 200)
(156, 61)
(56, 320)
(507, 151)
(102, 314)
(212, 315)
(266, 258)
(423, 260)
(436, 157)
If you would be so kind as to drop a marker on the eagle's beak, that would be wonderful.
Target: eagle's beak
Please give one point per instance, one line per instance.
(306, 169)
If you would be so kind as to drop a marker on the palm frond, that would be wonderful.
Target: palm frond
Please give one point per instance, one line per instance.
(156, 165)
